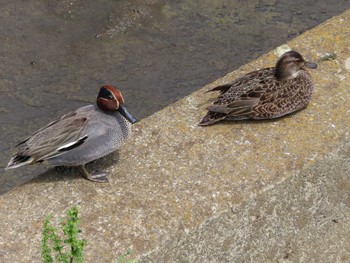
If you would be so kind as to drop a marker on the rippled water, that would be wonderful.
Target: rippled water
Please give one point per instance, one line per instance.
(55, 54)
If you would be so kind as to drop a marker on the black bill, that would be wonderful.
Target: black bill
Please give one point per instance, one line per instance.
(310, 65)
(123, 111)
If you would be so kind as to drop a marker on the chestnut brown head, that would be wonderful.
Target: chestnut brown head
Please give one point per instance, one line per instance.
(110, 99)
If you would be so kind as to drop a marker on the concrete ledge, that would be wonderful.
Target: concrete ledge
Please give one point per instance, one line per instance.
(304, 219)
(173, 175)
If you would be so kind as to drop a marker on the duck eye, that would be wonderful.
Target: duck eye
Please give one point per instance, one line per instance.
(106, 94)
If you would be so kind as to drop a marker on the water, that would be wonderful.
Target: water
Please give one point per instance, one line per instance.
(55, 54)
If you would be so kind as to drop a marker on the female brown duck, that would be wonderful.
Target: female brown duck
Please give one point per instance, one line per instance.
(266, 93)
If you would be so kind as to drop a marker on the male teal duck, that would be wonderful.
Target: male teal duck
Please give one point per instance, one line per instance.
(266, 93)
(80, 136)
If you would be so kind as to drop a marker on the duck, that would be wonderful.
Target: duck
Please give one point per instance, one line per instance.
(80, 136)
(268, 93)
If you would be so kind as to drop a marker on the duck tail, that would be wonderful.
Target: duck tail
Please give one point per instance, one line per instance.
(19, 160)
(221, 88)
(211, 118)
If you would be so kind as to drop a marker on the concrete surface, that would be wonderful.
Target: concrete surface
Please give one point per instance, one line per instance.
(173, 176)
(304, 219)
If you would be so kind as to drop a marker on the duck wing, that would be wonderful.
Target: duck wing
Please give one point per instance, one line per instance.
(238, 100)
(61, 135)
(245, 80)
(236, 108)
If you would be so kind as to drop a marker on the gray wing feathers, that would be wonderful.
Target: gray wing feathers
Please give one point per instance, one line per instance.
(47, 142)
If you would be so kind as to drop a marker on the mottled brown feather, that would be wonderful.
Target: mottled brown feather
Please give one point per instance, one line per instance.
(261, 95)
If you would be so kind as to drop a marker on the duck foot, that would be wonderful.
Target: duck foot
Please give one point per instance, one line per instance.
(99, 178)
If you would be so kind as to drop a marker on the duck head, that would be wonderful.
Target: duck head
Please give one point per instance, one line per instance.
(290, 63)
(110, 99)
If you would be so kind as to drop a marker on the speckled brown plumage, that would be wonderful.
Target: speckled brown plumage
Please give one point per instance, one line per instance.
(264, 94)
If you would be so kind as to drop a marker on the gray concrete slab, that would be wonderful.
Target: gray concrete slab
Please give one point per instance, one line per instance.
(173, 175)
(304, 219)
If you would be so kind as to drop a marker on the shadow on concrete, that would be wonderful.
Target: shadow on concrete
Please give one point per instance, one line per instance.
(66, 173)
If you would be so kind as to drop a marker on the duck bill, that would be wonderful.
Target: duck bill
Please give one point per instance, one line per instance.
(123, 111)
(310, 65)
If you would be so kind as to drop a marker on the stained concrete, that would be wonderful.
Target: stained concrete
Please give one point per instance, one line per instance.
(173, 176)
(304, 219)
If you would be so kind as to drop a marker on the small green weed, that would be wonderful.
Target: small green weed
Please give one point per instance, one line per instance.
(124, 258)
(65, 247)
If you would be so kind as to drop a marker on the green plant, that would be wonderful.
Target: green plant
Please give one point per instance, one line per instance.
(124, 258)
(65, 247)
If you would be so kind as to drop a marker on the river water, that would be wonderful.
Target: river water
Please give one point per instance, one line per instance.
(55, 54)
